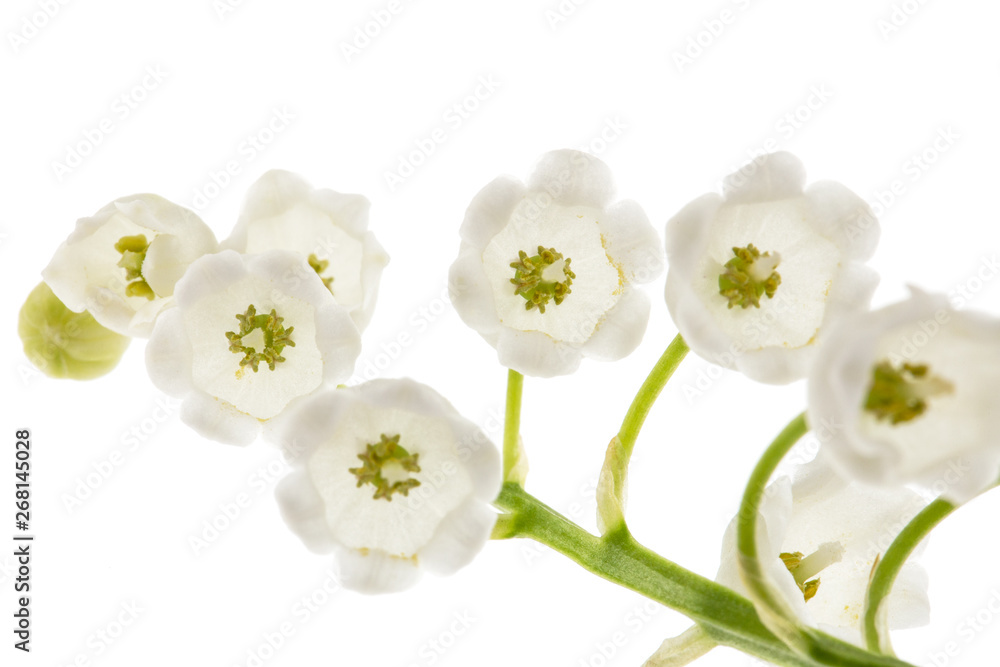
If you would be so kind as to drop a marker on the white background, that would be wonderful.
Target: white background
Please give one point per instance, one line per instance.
(603, 76)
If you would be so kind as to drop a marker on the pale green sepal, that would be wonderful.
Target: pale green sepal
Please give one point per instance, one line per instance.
(65, 344)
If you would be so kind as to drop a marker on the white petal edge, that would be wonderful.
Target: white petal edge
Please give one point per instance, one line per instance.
(218, 420)
(372, 264)
(767, 177)
(374, 572)
(459, 538)
(536, 354)
(622, 329)
(632, 242)
(169, 356)
(267, 197)
(490, 210)
(302, 509)
(472, 296)
(573, 177)
(843, 217)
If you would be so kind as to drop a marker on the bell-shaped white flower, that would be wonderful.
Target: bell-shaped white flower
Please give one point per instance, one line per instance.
(248, 335)
(330, 229)
(122, 263)
(545, 272)
(756, 275)
(389, 478)
(908, 394)
(819, 537)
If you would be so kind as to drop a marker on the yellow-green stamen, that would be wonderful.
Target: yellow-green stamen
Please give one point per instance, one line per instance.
(536, 278)
(387, 455)
(275, 338)
(319, 266)
(748, 276)
(900, 394)
(804, 568)
(133, 251)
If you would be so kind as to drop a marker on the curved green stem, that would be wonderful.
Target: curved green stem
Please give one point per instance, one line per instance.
(776, 613)
(614, 474)
(725, 616)
(514, 462)
(888, 567)
(649, 391)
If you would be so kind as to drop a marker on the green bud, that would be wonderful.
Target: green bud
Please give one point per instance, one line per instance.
(64, 344)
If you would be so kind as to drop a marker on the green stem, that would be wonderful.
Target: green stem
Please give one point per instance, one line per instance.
(726, 617)
(777, 615)
(891, 563)
(649, 391)
(614, 474)
(514, 464)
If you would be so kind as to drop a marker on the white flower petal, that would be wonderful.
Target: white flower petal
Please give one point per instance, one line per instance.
(440, 523)
(190, 355)
(374, 572)
(458, 539)
(217, 420)
(575, 232)
(631, 240)
(821, 513)
(862, 519)
(373, 262)
(534, 353)
(768, 177)
(303, 510)
(573, 178)
(951, 448)
(909, 604)
(816, 237)
(84, 271)
(472, 296)
(269, 196)
(490, 210)
(775, 365)
(843, 217)
(621, 330)
(168, 355)
(688, 231)
(349, 210)
(203, 279)
(282, 211)
(602, 250)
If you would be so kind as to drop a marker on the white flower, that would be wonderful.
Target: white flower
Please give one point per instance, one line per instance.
(282, 211)
(390, 479)
(249, 334)
(545, 270)
(756, 276)
(909, 393)
(819, 528)
(121, 265)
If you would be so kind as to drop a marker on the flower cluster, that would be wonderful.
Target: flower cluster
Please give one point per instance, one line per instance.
(768, 278)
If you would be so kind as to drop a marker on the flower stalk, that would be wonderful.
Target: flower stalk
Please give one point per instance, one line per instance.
(611, 487)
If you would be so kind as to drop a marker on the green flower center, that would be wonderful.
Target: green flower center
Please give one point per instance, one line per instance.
(319, 266)
(900, 394)
(542, 278)
(804, 568)
(133, 251)
(748, 276)
(386, 465)
(260, 338)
